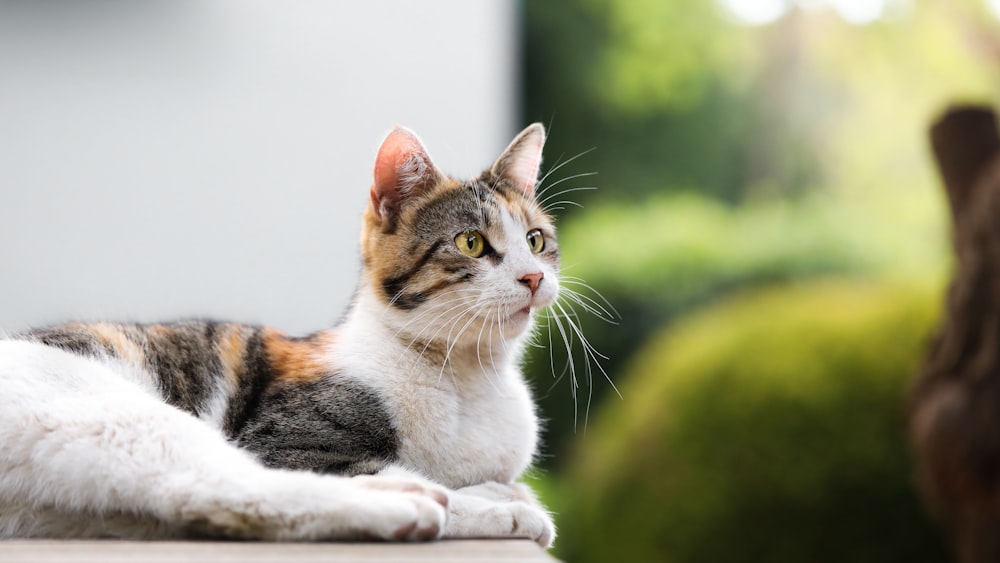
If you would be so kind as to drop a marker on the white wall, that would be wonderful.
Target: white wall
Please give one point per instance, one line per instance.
(166, 159)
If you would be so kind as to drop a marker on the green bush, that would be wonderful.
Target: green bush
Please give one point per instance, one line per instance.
(768, 428)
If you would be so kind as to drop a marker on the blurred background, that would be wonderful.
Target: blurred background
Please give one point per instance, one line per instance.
(171, 158)
(772, 232)
(764, 259)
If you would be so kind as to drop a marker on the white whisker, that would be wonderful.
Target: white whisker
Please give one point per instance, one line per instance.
(552, 196)
(559, 165)
(590, 305)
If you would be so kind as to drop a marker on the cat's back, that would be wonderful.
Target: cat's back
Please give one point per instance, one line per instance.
(213, 370)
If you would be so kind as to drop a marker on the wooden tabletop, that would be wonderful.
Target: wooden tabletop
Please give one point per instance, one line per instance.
(110, 551)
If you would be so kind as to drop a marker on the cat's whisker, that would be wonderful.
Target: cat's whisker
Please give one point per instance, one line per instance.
(566, 368)
(450, 343)
(592, 306)
(422, 314)
(473, 293)
(479, 347)
(479, 339)
(559, 165)
(493, 363)
(552, 360)
(592, 353)
(587, 370)
(573, 280)
(501, 315)
(449, 340)
(554, 195)
(495, 371)
(560, 205)
(447, 354)
(570, 364)
(463, 302)
(392, 302)
(468, 304)
(588, 304)
(576, 328)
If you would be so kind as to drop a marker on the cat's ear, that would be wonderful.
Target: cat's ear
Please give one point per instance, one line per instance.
(402, 168)
(519, 163)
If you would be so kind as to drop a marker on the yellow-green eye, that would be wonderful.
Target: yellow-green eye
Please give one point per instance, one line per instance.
(536, 241)
(471, 243)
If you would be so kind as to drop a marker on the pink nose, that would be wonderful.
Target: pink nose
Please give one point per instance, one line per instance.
(532, 281)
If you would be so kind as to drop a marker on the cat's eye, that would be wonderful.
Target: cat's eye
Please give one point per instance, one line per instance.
(471, 243)
(536, 241)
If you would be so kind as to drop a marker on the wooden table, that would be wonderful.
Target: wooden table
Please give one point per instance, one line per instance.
(110, 551)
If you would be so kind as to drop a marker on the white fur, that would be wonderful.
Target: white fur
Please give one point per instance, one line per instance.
(85, 450)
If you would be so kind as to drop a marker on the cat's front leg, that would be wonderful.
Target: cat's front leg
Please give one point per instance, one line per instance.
(490, 510)
(498, 510)
(285, 505)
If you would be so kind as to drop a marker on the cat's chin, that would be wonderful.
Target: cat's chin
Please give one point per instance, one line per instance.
(518, 320)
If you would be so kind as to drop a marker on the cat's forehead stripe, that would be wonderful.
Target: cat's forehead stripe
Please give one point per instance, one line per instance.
(468, 207)
(518, 203)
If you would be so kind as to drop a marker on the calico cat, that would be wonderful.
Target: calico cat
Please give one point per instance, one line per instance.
(409, 420)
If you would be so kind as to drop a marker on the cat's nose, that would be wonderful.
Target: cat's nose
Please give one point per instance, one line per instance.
(532, 281)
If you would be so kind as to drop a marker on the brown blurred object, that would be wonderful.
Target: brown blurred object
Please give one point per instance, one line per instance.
(954, 414)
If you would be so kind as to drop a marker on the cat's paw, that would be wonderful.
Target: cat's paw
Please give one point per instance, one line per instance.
(471, 516)
(397, 515)
(404, 484)
(297, 506)
(430, 500)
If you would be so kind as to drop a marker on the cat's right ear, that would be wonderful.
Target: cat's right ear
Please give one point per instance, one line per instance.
(402, 169)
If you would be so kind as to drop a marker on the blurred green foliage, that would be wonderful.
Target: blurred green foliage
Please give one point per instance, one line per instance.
(658, 261)
(677, 250)
(732, 158)
(677, 96)
(735, 156)
(766, 428)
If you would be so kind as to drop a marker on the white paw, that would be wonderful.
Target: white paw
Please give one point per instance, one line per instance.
(296, 506)
(399, 516)
(471, 517)
(429, 500)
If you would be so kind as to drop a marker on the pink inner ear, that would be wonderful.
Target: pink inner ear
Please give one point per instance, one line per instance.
(393, 174)
(524, 168)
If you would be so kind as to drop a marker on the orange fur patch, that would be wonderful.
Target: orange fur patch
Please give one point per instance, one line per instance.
(232, 351)
(112, 336)
(297, 361)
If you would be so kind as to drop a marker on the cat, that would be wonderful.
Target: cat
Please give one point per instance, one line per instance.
(410, 420)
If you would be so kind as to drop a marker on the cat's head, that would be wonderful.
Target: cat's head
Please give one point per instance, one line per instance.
(455, 261)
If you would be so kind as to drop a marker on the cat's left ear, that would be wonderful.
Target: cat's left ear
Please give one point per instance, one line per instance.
(520, 162)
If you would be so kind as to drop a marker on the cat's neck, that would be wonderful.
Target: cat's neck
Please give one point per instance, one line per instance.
(372, 327)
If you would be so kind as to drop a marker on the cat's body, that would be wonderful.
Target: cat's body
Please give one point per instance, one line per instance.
(204, 428)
